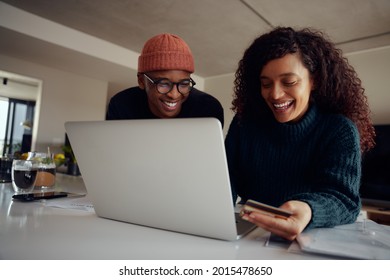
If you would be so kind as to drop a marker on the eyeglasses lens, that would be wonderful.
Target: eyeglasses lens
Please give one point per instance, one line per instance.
(165, 86)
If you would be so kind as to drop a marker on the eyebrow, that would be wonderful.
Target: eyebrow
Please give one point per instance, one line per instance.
(289, 74)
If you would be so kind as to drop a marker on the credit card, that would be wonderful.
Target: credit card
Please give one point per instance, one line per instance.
(255, 206)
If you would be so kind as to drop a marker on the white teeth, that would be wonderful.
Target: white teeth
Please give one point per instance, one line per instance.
(170, 104)
(283, 105)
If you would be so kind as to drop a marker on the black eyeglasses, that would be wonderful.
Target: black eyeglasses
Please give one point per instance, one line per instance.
(164, 85)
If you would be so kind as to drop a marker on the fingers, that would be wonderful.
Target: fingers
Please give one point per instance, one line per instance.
(281, 227)
(288, 228)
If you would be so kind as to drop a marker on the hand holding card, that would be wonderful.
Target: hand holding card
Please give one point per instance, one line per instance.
(254, 206)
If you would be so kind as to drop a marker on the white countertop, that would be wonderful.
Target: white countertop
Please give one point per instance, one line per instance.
(34, 230)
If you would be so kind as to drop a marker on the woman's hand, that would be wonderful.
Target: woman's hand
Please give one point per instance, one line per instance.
(289, 228)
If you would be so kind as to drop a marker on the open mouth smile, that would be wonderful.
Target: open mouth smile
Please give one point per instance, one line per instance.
(170, 104)
(282, 106)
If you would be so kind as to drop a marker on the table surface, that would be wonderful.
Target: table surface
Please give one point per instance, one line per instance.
(34, 230)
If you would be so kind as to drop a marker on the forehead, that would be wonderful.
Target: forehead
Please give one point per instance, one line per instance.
(290, 64)
(170, 74)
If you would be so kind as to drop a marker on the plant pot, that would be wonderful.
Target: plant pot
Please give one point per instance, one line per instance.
(73, 169)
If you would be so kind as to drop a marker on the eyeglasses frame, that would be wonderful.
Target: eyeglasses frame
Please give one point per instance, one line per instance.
(156, 82)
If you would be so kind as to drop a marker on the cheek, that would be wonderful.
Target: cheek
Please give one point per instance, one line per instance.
(306, 94)
(303, 102)
(152, 96)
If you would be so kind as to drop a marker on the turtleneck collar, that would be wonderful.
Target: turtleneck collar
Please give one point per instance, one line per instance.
(295, 131)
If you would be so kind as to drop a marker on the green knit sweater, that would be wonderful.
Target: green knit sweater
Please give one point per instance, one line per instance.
(316, 160)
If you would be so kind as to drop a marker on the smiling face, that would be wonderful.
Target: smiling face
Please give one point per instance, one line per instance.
(164, 105)
(286, 86)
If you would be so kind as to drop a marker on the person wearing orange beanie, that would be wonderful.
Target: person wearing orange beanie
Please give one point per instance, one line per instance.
(165, 87)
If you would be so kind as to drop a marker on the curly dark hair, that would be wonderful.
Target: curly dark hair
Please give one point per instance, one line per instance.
(337, 86)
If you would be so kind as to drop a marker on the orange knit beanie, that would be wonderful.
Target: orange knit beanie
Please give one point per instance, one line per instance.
(165, 52)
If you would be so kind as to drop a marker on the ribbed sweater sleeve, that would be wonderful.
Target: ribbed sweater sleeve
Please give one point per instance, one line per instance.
(316, 161)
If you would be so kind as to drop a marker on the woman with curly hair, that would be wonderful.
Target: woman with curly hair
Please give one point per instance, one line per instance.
(302, 123)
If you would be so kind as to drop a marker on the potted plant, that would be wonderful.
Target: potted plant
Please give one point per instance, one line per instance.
(73, 167)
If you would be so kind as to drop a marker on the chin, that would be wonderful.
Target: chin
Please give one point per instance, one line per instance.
(171, 114)
(282, 119)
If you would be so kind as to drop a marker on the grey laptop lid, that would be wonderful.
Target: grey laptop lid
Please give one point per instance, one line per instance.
(167, 173)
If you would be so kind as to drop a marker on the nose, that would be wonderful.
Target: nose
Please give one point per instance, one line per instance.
(276, 92)
(174, 93)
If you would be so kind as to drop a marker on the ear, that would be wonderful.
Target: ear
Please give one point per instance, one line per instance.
(141, 81)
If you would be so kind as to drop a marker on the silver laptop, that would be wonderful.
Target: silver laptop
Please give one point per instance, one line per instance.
(169, 174)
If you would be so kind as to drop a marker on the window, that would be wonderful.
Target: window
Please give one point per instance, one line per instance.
(16, 122)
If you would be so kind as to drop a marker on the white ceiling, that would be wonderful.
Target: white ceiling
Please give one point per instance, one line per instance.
(218, 31)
